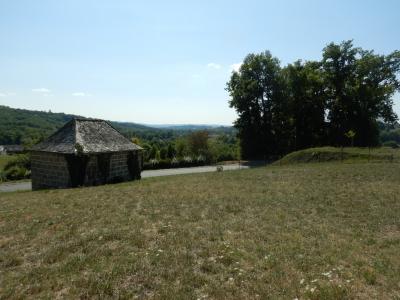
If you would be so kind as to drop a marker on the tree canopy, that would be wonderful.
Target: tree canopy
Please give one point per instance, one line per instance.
(313, 103)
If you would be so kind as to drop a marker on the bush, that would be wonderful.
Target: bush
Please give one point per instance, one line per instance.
(173, 163)
(16, 173)
(391, 144)
(17, 168)
(22, 161)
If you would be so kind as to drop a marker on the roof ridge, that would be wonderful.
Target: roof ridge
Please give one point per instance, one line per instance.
(88, 119)
(94, 135)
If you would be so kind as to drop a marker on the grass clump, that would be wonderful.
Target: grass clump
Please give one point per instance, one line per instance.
(307, 231)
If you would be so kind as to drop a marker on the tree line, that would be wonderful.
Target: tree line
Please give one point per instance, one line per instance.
(194, 148)
(336, 101)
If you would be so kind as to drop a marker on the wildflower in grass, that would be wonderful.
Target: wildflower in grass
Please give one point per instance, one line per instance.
(327, 274)
(302, 281)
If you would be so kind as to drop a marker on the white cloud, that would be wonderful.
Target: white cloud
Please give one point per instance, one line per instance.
(214, 66)
(236, 67)
(7, 94)
(81, 94)
(41, 90)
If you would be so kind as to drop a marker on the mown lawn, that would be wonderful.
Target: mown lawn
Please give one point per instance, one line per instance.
(316, 231)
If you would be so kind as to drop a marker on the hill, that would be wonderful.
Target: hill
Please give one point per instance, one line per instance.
(19, 126)
(309, 231)
(347, 154)
(188, 126)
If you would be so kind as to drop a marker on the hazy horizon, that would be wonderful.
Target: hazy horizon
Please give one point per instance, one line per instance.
(166, 62)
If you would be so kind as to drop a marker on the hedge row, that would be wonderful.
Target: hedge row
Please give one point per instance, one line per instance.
(170, 164)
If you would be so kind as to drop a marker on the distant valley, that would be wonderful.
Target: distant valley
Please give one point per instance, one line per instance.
(22, 126)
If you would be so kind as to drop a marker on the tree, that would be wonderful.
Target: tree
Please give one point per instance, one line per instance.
(376, 83)
(171, 153)
(154, 152)
(257, 94)
(360, 86)
(339, 65)
(181, 147)
(307, 104)
(198, 142)
(163, 153)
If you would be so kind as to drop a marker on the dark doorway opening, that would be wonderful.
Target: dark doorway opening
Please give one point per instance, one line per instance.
(77, 168)
(103, 161)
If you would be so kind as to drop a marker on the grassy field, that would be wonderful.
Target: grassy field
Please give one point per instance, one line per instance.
(307, 231)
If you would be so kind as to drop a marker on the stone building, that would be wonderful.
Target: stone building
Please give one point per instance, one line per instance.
(82, 153)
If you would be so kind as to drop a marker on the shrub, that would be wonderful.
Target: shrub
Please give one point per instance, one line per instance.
(17, 168)
(174, 163)
(22, 161)
(391, 144)
(16, 173)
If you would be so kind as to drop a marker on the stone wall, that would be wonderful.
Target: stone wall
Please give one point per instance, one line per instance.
(49, 170)
(119, 167)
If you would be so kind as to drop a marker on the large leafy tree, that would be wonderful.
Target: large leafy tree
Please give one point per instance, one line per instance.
(375, 85)
(257, 94)
(339, 65)
(307, 98)
(360, 86)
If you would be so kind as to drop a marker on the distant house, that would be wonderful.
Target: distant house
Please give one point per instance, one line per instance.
(82, 153)
(11, 149)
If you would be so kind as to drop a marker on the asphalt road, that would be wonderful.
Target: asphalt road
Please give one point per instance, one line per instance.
(26, 185)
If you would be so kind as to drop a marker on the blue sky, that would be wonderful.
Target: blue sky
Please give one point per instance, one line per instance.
(166, 61)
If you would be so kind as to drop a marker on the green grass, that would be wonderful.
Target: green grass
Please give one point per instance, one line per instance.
(307, 231)
(325, 154)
